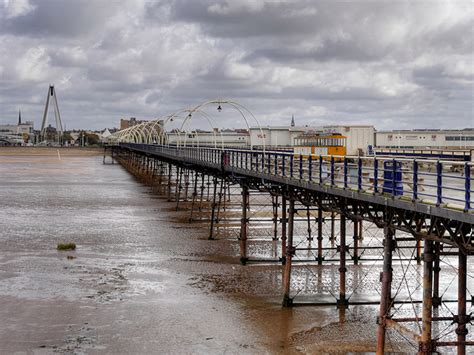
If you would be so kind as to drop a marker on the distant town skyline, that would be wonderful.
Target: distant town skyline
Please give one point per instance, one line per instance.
(395, 65)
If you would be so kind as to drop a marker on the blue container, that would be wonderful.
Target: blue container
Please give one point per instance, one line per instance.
(389, 180)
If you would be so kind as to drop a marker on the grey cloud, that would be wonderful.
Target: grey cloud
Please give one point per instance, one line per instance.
(55, 18)
(393, 64)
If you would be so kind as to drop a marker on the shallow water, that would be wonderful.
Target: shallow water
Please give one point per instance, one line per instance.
(142, 280)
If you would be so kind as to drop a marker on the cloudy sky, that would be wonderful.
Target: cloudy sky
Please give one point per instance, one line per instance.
(393, 64)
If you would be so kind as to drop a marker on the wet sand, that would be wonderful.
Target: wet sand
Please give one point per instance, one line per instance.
(50, 151)
(141, 281)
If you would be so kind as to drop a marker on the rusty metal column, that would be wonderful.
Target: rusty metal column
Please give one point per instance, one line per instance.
(436, 270)
(308, 217)
(463, 319)
(195, 183)
(426, 345)
(320, 234)
(275, 217)
(342, 301)
(418, 252)
(290, 251)
(213, 210)
(333, 226)
(170, 175)
(244, 225)
(186, 184)
(356, 241)
(219, 203)
(386, 278)
(283, 229)
(203, 187)
(179, 186)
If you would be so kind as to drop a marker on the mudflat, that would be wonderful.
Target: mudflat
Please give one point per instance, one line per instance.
(50, 151)
(142, 280)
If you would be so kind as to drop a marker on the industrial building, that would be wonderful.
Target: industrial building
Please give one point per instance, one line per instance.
(358, 137)
(276, 136)
(226, 137)
(426, 139)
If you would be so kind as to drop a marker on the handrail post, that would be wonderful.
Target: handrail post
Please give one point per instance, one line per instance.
(394, 171)
(301, 166)
(359, 174)
(332, 170)
(275, 160)
(269, 169)
(345, 173)
(467, 186)
(310, 167)
(376, 176)
(283, 164)
(439, 183)
(263, 162)
(291, 166)
(320, 169)
(415, 180)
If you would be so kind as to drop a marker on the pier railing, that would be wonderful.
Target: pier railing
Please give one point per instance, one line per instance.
(441, 183)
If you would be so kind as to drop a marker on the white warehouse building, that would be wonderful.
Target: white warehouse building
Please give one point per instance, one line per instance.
(276, 136)
(426, 138)
(227, 137)
(359, 137)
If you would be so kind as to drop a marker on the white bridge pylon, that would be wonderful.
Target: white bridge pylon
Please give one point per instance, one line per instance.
(59, 125)
(154, 132)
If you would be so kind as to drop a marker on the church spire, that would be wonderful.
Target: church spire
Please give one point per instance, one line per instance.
(19, 117)
(292, 121)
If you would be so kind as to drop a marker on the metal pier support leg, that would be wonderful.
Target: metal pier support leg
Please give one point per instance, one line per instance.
(356, 241)
(320, 235)
(244, 225)
(308, 217)
(463, 319)
(342, 301)
(219, 203)
(275, 217)
(196, 176)
(436, 270)
(426, 345)
(160, 177)
(179, 186)
(418, 252)
(290, 251)
(386, 278)
(213, 210)
(170, 175)
(203, 187)
(283, 229)
(333, 227)
(186, 184)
